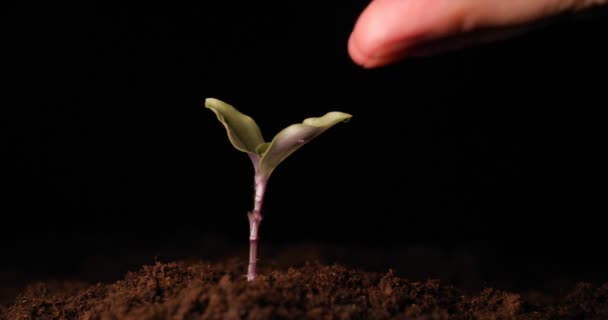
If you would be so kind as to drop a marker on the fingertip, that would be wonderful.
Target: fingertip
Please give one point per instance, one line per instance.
(387, 29)
(367, 42)
(358, 53)
(359, 47)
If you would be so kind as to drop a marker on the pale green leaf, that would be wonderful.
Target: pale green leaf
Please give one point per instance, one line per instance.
(293, 137)
(261, 149)
(243, 132)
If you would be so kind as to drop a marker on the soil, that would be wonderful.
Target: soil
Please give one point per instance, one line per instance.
(205, 290)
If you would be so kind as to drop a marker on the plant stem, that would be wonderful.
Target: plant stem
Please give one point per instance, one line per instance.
(255, 218)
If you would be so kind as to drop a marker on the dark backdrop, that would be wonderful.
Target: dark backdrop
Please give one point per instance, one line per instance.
(106, 145)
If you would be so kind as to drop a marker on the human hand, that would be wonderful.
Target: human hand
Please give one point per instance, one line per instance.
(390, 30)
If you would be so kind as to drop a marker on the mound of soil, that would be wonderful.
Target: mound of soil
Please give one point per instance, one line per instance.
(199, 290)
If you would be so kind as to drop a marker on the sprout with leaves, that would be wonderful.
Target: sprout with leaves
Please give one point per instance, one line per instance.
(245, 136)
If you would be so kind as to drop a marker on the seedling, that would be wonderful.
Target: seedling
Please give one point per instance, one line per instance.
(245, 136)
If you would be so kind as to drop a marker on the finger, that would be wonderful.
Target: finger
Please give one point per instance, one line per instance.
(389, 30)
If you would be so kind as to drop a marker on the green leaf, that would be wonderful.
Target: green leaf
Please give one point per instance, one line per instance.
(243, 132)
(261, 149)
(293, 137)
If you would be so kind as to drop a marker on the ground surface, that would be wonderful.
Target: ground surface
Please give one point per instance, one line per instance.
(201, 290)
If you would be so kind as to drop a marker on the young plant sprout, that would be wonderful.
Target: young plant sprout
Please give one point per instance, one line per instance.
(245, 136)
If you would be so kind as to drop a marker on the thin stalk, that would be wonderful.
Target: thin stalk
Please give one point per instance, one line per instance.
(255, 218)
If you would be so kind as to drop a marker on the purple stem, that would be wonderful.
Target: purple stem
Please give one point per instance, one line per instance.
(255, 218)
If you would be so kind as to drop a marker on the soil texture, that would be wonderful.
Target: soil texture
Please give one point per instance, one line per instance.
(201, 290)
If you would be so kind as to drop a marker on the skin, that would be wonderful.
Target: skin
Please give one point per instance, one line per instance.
(390, 30)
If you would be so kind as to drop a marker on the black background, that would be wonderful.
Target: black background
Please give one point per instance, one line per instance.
(106, 145)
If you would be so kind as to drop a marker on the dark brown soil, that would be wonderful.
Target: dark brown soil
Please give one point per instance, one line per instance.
(198, 290)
